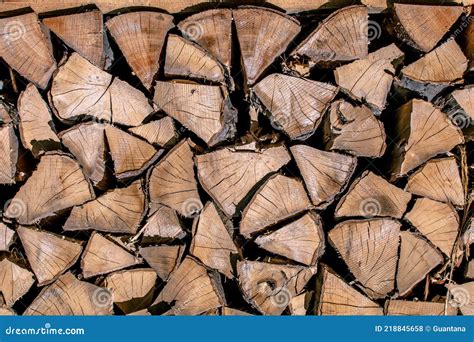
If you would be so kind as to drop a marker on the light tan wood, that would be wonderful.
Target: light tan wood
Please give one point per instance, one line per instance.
(16, 281)
(469, 271)
(465, 99)
(417, 308)
(6, 237)
(163, 223)
(226, 311)
(299, 304)
(8, 154)
(4, 311)
(163, 259)
(462, 296)
(158, 132)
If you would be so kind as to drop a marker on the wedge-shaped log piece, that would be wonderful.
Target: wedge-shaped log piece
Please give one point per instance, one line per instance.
(423, 131)
(356, 130)
(192, 289)
(269, 287)
(212, 243)
(6, 237)
(141, 36)
(83, 32)
(338, 298)
(68, 296)
(371, 196)
(132, 290)
(117, 211)
(459, 106)
(159, 132)
(417, 259)
(279, 198)
(25, 48)
(301, 240)
(240, 169)
(461, 296)
(341, 37)
(440, 180)
(370, 249)
(370, 79)
(36, 126)
(57, 183)
(131, 155)
(163, 259)
(299, 305)
(8, 154)
(296, 104)
(186, 59)
(212, 30)
(16, 281)
(418, 308)
(263, 34)
(49, 255)
(162, 223)
(103, 256)
(438, 222)
(326, 174)
(423, 26)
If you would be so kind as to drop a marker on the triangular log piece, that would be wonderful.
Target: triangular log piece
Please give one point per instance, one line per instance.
(116, 211)
(163, 223)
(203, 109)
(301, 240)
(132, 290)
(370, 250)
(141, 36)
(325, 174)
(338, 298)
(26, 49)
(5, 117)
(296, 105)
(423, 26)
(422, 132)
(459, 105)
(83, 32)
(269, 287)
(212, 30)
(163, 259)
(356, 130)
(16, 281)
(278, 199)
(192, 290)
(299, 304)
(159, 132)
(462, 296)
(172, 181)
(239, 171)
(370, 79)
(226, 311)
(438, 222)
(6, 237)
(131, 155)
(371, 196)
(417, 259)
(57, 183)
(438, 69)
(263, 34)
(86, 142)
(8, 154)
(68, 296)
(187, 59)
(440, 180)
(36, 126)
(49, 255)
(212, 243)
(418, 308)
(4, 311)
(341, 37)
(103, 256)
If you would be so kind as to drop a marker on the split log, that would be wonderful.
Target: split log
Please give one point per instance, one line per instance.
(467, 42)
(462, 297)
(299, 304)
(417, 259)
(192, 290)
(25, 48)
(49, 255)
(375, 6)
(36, 126)
(8, 154)
(301, 240)
(158, 132)
(212, 243)
(440, 180)
(336, 297)
(226, 311)
(270, 287)
(241, 169)
(371, 196)
(141, 36)
(82, 32)
(6, 237)
(459, 106)
(370, 250)
(69, 296)
(58, 183)
(369, 79)
(163, 259)
(296, 105)
(263, 35)
(162, 224)
(418, 308)
(278, 199)
(16, 282)
(102, 256)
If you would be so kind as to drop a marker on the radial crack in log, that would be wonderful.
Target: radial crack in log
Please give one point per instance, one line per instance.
(417, 308)
(162, 223)
(163, 259)
(6, 237)
(158, 132)
(16, 281)
(8, 154)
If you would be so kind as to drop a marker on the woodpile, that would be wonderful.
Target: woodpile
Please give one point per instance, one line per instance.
(237, 161)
